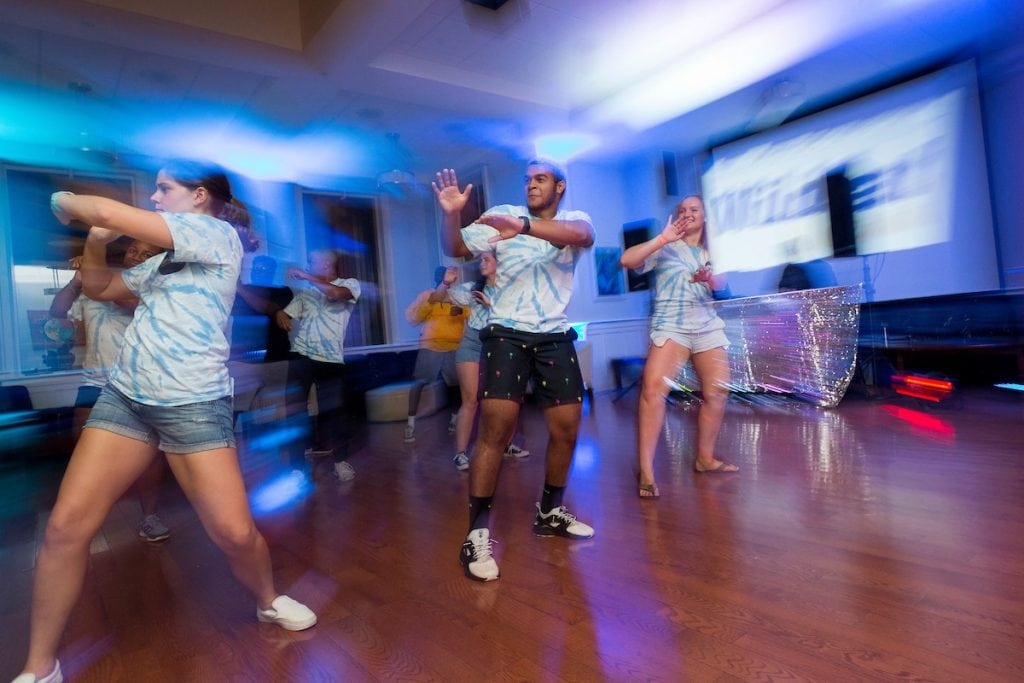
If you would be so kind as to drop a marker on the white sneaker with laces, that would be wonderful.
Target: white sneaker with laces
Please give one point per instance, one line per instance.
(461, 462)
(514, 451)
(410, 433)
(560, 522)
(476, 558)
(344, 471)
(152, 529)
(54, 676)
(289, 614)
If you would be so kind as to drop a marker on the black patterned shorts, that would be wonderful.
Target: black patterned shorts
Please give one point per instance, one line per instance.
(510, 359)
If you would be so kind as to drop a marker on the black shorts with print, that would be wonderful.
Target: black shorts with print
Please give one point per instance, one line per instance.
(511, 358)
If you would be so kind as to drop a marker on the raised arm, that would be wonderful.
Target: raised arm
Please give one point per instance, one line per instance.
(451, 201)
(331, 291)
(63, 300)
(99, 282)
(148, 226)
(635, 256)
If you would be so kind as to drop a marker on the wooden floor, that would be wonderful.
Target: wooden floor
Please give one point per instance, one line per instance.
(880, 540)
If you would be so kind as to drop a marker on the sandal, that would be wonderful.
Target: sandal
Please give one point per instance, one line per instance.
(722, 467)
(647, 490)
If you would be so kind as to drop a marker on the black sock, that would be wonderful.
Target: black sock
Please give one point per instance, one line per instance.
(551, 498)
(479, 512)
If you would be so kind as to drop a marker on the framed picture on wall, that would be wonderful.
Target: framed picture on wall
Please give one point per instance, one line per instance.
(633, 233)
(608, 272)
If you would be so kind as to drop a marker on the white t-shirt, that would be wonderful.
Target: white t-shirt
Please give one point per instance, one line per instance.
(105, 323)
(534, 279)
(680, 305)
(319, 324)
(175, 350)
(462, 294)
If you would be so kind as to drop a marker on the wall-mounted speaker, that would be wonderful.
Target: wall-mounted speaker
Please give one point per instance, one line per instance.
(670, 173)
(840, 213)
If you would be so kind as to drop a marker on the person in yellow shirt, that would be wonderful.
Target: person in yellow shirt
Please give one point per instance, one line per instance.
(443, 323)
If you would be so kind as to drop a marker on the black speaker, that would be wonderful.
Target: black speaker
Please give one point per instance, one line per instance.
(489, 4)
(634, 233)
(840, 213)
(670, 173)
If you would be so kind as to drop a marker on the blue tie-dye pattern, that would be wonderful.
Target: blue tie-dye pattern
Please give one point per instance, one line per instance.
(320, 324)
(175, 350)
(680, 305)
(535, 278)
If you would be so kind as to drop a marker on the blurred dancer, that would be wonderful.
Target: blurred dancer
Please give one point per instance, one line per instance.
(167, 392)
(684, 326)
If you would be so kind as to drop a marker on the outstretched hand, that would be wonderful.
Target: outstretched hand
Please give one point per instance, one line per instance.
(703, 274)
(446, 189)
(482, 298)
(507, 226)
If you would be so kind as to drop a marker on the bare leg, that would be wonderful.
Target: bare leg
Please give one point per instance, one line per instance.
(563, 427)
(469, 379)
(497, 422)
(662, 361)
(712, 368)
(101, 469)
(213, 483)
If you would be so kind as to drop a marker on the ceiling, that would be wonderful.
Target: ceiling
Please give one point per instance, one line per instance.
(284, 88)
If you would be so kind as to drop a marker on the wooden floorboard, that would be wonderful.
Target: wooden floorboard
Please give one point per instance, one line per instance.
(881, 540)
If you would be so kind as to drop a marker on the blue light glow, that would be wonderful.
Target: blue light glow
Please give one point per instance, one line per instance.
(280, 493)
(1011, 386)
(563, 147)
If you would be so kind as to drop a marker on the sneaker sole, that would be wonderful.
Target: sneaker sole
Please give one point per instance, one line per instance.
(474, 577)
(548, 532)
(153, 539)
(288, 625)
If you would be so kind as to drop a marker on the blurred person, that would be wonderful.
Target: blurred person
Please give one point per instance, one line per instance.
(260, 301)
(684, 326)
(443, 324)
(105, 323)
(166, 392)
(527, 337)
(317, 317)
(475, 296)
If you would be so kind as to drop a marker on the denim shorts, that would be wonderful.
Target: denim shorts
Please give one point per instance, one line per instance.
(190, 428)
(469, 347)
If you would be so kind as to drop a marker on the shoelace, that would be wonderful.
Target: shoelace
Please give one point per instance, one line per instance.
(560, 514)
(482, 551)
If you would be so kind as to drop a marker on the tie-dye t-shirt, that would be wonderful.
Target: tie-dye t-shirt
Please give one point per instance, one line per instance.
(680, 305)
(462, 294)
(105, 323)
(175, 350)
(318, 324)
(534, 279)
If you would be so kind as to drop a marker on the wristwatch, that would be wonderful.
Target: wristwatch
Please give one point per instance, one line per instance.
(526, 225)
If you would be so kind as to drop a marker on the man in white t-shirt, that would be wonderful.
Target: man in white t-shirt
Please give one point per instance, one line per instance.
(317, 317)
(527, 336)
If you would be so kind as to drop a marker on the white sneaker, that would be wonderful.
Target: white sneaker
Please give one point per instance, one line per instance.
(452, 422)
(344, 471)
(560, 522)
(54, 676)
(288, 614)
(153, 530)
(476, 558)
(461, 462)
(514, 451)
(410, 433)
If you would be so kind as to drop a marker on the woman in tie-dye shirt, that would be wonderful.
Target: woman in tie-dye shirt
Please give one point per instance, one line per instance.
(684, 326)
(169, 390)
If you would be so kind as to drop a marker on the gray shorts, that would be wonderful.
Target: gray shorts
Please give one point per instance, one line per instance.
(469, 347)
(190, 428)
(431, 364)
(697, 342)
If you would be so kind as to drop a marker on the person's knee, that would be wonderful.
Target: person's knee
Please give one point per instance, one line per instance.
(69, 527)
(235, 537)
